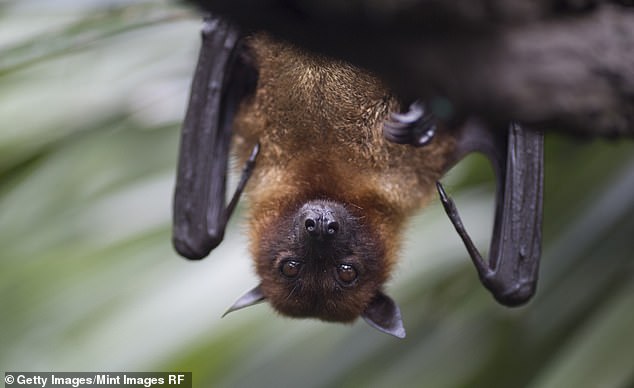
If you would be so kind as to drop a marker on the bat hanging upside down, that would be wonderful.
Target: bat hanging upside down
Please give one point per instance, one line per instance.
(334, 172)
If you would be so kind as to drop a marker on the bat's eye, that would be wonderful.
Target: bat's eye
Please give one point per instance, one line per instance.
(290, 268)
(346, 273)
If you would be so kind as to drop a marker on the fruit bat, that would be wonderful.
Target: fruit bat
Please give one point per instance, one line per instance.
(334, 164)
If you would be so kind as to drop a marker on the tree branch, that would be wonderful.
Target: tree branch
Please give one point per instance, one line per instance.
(551, 64)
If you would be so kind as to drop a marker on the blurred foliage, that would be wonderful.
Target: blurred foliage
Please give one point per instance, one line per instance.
(92, 98)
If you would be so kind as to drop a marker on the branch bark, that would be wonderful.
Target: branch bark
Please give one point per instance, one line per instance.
(551, 64)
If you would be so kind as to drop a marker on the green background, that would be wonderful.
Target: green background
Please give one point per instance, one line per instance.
(92, 94)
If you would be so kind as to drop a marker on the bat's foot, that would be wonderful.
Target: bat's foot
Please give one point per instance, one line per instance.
(414, 127)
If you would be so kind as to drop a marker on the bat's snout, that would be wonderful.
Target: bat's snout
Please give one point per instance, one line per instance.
(321, 219)
(320, 224)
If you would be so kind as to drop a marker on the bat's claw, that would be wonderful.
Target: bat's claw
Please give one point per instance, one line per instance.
(414, 127)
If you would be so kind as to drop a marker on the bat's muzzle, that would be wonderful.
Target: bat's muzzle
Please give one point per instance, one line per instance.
(322, 220)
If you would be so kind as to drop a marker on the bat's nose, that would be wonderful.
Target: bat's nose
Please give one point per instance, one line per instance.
(320, 223)
(321, 220)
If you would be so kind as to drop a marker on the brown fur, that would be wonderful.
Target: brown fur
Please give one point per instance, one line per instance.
(319, 124)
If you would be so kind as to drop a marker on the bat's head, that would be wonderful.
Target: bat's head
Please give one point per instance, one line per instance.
(322, 261)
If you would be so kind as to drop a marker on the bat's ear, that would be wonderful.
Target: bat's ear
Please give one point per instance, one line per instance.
(252, 297)
(384, 315)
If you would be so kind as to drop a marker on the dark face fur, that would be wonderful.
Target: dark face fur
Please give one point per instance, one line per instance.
(320, 261)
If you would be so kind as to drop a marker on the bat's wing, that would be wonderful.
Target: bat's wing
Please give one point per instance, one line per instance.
(517, 157)
(223, 77)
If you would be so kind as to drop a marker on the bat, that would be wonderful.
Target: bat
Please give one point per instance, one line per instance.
(332, 170)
